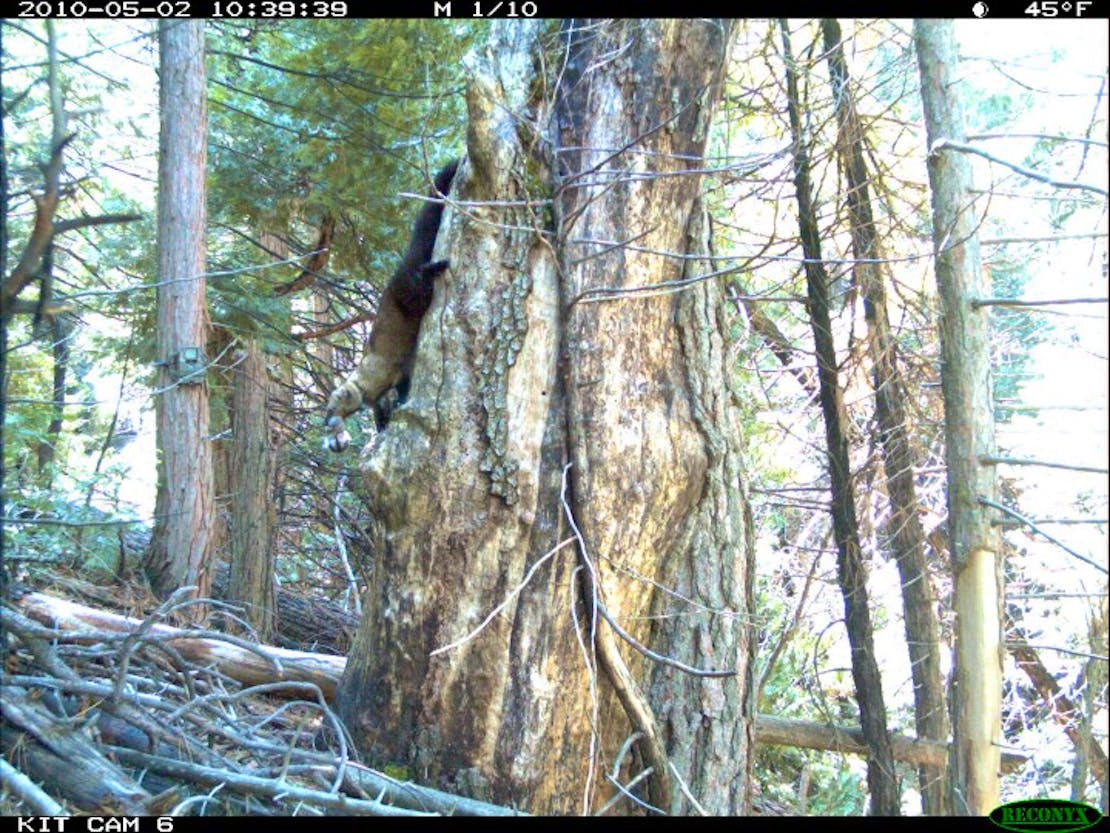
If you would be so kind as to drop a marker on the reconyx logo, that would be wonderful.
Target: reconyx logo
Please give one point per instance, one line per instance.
(1045, 814)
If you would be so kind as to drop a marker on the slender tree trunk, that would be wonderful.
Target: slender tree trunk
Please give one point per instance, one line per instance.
(251, 480)
(220, 389)
(181, 544)
(969, 434)
(908, 538)
(469, 482)
(61, 331)
(46, 449)
(851, 572)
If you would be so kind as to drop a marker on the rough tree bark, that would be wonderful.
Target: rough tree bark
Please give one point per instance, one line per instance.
(657, 481)
(180, 547)
(907, 535)
(517, 375)
(251, 481)
(882, 781)
(976, 699)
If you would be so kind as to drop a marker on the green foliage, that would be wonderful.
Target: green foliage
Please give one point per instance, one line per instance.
(397, 772)
(1016, 331)
(56, 528)
(28, 385)
(835, 782)
(307, 121)
(893, 65)
(995, 110)
(317, 118)
(89, 264)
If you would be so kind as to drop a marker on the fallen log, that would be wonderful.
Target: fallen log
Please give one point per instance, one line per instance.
(779, 731)
(55, 753)
(248, 663)
(27, 791)
(301, 622)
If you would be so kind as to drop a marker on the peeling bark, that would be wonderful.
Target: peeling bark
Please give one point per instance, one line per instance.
(976, 697)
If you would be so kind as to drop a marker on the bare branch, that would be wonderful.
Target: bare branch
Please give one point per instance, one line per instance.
(274, 789)
(1026, 461)
(63, 226)
(1018, 302)
(42, 232)
(345, 324)
(1039, 531)
(505, 602)
(1086, 141)
(949, 144)
(632, 700)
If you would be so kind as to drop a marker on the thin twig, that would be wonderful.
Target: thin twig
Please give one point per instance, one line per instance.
(633, 798)
(504, 602)
(988, 502)
(682, 785)
(620, 678)
(1021, 302)
(1026, 461)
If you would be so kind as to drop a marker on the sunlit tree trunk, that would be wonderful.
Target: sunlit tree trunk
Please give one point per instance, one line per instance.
(976, 699)
(180, 547)
(657, 480)
(519, 374)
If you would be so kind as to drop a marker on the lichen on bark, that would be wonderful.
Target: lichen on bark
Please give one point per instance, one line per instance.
(508, 326)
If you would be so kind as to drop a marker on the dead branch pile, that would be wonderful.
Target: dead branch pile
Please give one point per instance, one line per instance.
(137, 716)
(150, 719)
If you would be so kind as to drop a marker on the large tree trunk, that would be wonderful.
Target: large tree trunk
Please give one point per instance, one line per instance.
(469, 482)
(180, 547)
(657, 480)
(907, 536)
(969, 434)
(851, 571)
